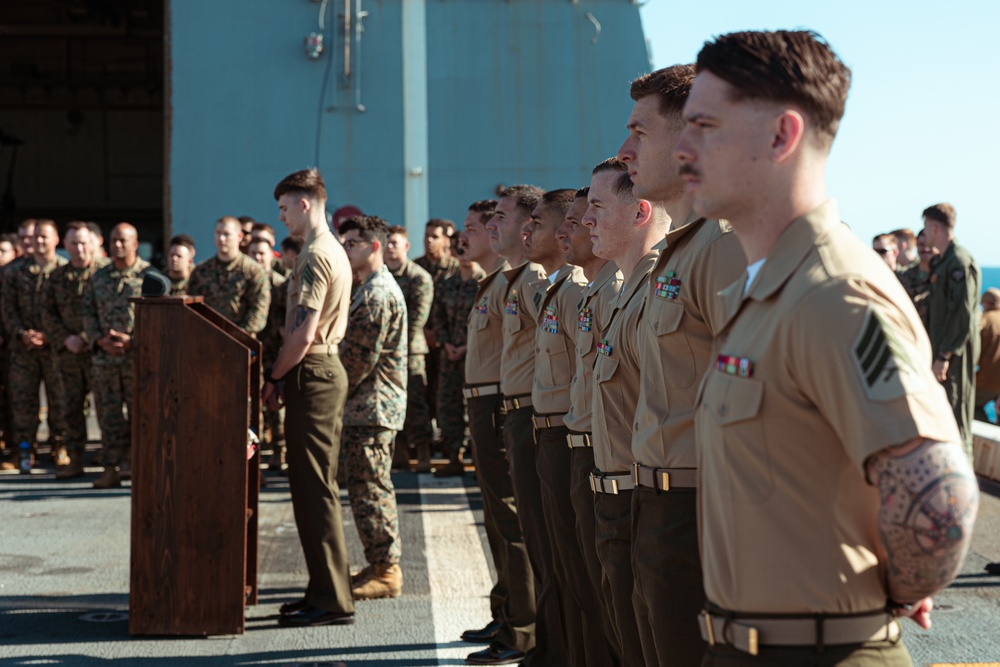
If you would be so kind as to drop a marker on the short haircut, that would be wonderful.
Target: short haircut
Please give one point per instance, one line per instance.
(670, 85)
(445, 225)
(369, 227)
(95, 229)
(261, 239)
(229, 219)
(9, 237)
(244, 219)
(27, 222)
(76, 225)
(992, 294)
(292, 243)
(560, 199)
(46, 222)
(796, 67)
(485, 208)
(308, 182)
(526, 197)
(904, 234)
(583, 192)
(623, 184)
(398, 229)
(888, 240)
(183, 240)
(943, 213)
(262, 227)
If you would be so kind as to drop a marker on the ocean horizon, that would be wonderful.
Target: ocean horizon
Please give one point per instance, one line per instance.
(991, 277)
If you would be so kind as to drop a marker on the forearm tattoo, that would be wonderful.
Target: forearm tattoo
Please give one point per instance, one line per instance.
(929, 497)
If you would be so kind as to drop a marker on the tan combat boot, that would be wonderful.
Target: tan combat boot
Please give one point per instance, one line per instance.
(362, 576)
(386, 581)
(424, 457)
(108, 479)
(74, 468)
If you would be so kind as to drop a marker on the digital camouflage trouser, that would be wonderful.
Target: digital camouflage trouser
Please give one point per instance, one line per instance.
(367, 455)
(27, 371)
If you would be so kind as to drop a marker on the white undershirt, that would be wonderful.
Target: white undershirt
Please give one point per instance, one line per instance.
(552, 277)
(752, 271)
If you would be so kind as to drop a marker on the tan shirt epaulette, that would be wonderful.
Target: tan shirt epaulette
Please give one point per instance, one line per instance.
(616, 375)
(593, 317)
(681, 312)
(521, 307)
(485, 334)
(555, 342)
(822, 363)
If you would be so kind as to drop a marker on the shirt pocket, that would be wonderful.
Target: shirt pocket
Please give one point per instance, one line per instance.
(511, 323)
(609, 386)
(560, 367)
(665, 320)
(734, 404)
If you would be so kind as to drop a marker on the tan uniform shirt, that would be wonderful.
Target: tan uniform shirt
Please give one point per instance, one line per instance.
(485, 338)
(521, 307)
(321, 280)
(823, 363)
(681, 312)
(555, 340)
(616, 375)
(593, 317)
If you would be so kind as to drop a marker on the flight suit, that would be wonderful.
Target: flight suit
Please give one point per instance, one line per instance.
(512, 600)
(820, 364)
(593, 317)
(616, 393)
(953, 327)
(680, 315)
(521, 315)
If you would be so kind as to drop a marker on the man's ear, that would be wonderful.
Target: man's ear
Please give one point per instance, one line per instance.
(644, 213)
(789, 130)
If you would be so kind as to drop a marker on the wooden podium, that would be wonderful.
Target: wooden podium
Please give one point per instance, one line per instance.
(194, 490)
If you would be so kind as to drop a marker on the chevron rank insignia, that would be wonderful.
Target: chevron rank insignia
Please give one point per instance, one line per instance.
(884, 361)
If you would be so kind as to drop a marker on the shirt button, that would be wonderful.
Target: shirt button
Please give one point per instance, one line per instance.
(722, 410)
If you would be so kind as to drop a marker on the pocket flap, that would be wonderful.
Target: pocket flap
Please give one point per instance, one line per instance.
(666, 317)
(740, 400)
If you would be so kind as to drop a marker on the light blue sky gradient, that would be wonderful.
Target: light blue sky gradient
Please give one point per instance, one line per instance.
(923, 116)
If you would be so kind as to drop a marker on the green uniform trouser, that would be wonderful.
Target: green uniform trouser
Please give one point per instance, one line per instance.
(668, 581)
(28, 368)
(869, 654)
(519, 437)
(113, 395)
(514, 594)
(582, 497)
(315, 392)
(367, 464)
(613, 535)
(75, 370)
(961, 389)
(585, 641)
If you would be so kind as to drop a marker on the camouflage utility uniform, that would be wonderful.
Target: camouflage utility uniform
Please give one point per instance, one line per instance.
(23, 296)
(105, 307)
(179, 286)
(452, 306)
(239, 290)
(439, 271)
(63, 317)
(271, 338)
(417, 287)
(374, 352)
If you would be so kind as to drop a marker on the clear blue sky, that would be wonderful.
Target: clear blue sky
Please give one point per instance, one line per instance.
(923, 115)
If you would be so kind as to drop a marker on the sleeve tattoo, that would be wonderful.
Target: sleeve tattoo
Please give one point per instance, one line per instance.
(928, 502)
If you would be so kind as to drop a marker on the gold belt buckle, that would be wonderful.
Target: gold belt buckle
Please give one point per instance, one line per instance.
(665, 481)
(709, 629)
(614, 486)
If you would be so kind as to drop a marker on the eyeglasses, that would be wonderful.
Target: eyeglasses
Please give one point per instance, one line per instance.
(880, 251)
(351, 244)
